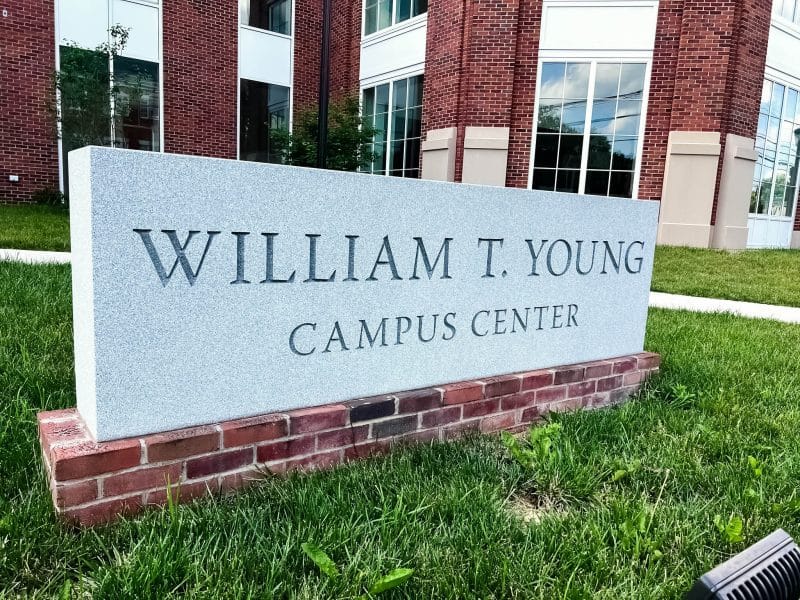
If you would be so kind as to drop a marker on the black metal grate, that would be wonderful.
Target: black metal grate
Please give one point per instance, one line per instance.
(767, 570)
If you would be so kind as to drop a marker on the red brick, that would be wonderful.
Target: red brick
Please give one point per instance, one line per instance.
(218, 463)
(419, 400)
(253, 430)
(624, 366)
(459, 393)
(90, 458)
(240, 479)
(502, 386)
(65, 495)
(583, 388)
(457, 430)
(520, 400)
(498, 422)
(568, 405)
(141, 479)
(551, 394)
(64, 414)
(285, 449)
(367, 449)
(598, 369)
(480, 409)
(326, 460)
(62, 432)
(633, 378)
(568, 375)
(183, 492)
(104, 511)
(339, 438)
(181, 443)
(445, 415)
(309, 420)
(532, 414)
(648, 360)
(609, 383)
(536, 379)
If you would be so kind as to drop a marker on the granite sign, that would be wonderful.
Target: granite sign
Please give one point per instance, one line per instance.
(208, 289)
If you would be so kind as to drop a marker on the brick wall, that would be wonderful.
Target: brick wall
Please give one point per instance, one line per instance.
(94, 482)
(200, 77)
(28, 146)
(307, 38)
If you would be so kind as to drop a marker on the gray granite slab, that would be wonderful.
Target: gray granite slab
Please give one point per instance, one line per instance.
(163, 343)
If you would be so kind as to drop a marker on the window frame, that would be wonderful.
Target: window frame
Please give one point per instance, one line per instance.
(393, 25)
(593, 59)
(390, 121)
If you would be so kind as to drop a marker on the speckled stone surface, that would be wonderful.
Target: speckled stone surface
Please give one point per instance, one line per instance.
(159, 348)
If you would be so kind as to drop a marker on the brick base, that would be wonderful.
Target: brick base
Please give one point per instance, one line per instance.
(95, 482)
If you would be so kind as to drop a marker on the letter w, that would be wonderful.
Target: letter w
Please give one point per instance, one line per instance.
(180, 253)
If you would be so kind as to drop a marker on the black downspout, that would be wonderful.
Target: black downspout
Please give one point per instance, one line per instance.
(324, 86)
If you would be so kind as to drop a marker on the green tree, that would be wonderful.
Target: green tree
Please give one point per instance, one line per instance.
(350, 137)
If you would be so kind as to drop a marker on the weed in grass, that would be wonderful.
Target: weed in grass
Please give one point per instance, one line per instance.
(731, 530)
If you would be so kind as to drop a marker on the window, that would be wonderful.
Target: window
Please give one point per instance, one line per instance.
(380, 14)
(272, 15)
(263, 121)
(588, 127)
(92, 112)
(788, 9)
(395, 111)
(778, 145)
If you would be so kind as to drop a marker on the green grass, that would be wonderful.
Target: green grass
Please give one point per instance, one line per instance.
(34, 227)
(766, 276)
(730, 389)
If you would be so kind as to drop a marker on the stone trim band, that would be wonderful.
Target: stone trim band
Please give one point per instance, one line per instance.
(96, 482)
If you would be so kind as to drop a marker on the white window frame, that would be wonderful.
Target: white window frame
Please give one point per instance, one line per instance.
(239, 78)
(410, 22)
(110, 23)
(391, 81)
(594, 58)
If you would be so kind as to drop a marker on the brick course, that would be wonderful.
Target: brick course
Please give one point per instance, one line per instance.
(96, 482)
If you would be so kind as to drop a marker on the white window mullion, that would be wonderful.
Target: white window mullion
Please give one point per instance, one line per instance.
(387, 159)
(587, 127)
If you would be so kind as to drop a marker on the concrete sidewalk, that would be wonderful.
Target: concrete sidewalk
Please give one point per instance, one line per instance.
(34, 256)
(787, 314)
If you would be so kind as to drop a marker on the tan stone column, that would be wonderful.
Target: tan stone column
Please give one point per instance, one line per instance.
(485, 155)
(439, 154)
(738, 165)
(687, 198)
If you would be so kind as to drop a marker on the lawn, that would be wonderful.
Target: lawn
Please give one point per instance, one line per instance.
(34, 227)
(766, 276)
(729, 390)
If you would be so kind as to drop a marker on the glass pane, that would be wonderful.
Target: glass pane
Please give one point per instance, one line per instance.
(263, 121)
(574, 117)
(754, 198)
(569, 154)
(772, 129)
(624, 156)
(371, 19)
(549, 115)
(777, 100)
(396, 159)
(272, 15)
(766, 95)
(552, 80)
(415, 91)
(597, 183)
(603, 112)
(599, 152)
(628, 112)
(546, 150)
(791, 198)
(621, 185)
(412, 154)
(382, 98)
(379, 165)
(790, 110)
(577, 81)
(403, 10)
(368, 103)
(544, 179)
(762, 125)
(400, 94)
(137, 104)
(414, 122)
(398, 124)
(384, 13)
(420, 6)
(606, 84)
(567, 181)
(631, 82)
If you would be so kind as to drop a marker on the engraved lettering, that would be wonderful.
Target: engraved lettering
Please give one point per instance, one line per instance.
(180, 253)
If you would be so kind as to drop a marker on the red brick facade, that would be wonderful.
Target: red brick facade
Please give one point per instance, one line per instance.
(480, 70)
(95, 482)
(200, 77)
(28, 146)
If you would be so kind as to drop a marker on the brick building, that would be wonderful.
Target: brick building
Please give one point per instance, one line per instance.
(694, 103)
